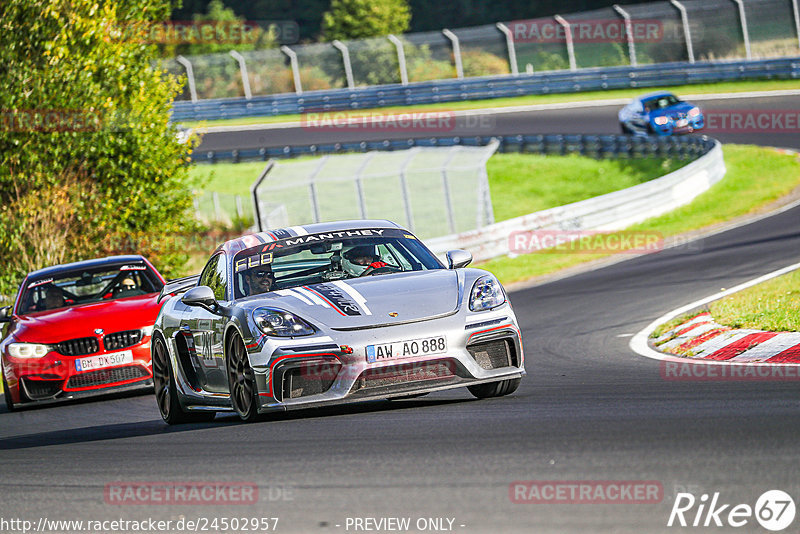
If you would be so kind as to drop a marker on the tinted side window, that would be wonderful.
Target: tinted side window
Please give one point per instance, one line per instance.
(215, 276)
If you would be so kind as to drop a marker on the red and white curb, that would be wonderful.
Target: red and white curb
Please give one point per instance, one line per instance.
(702, 338)
(702, 341)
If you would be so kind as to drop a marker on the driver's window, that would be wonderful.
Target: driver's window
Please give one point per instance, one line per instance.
(215, 276)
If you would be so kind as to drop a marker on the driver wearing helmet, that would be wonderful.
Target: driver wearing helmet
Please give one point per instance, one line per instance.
(260, 280)
(361, 260)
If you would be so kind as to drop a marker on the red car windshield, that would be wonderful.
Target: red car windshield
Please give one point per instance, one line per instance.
(85, 286)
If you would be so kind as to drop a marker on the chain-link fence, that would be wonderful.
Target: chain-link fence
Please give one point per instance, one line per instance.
(655, 32)
(432, 191)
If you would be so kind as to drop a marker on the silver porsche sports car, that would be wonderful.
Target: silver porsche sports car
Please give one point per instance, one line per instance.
(330, 313)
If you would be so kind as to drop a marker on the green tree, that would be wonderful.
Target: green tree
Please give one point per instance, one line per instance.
(89, 163)
(358, 19)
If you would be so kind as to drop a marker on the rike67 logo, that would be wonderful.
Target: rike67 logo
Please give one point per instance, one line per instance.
(774, 510)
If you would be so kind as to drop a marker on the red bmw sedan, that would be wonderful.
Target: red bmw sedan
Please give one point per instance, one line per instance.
(80, 329)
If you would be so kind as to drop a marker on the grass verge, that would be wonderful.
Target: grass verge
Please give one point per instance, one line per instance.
(773, 305)
(756, 177)
(528, 100)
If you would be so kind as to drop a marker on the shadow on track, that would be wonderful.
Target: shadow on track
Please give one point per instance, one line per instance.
(157, 426)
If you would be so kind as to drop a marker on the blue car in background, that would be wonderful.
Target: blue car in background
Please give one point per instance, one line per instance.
(660, 114)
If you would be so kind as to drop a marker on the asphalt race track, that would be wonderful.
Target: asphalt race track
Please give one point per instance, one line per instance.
(570, 120)
(590, 409)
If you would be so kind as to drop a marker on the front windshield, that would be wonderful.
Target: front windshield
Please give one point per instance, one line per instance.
(662, 102)
(327, 257)
(84, 286)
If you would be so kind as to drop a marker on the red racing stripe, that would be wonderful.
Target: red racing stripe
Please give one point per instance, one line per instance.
(790, 355)
(737, 347)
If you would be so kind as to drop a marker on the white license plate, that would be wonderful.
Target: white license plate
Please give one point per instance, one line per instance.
(406, 349)
(104, 360)
(681, 123)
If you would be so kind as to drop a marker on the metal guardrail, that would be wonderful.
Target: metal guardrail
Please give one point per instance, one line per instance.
(597, 146)
(613, 211)
(436, 92)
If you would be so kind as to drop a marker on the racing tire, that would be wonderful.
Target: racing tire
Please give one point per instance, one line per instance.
(625, 129)
(7, 395)
(241, 380)
(495, 389)
(167, 392)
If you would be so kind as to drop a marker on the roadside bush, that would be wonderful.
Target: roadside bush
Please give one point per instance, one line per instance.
(87, 152)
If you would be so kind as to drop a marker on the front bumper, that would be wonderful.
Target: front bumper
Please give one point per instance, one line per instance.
(333, 369)
(57, 377)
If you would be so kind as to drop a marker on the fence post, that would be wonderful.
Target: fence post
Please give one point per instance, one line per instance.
(348, 68)
(217, 207)
(629, 31)
(743, 18)
(456, 52)
(243, 70)
(298, 88)
(406, 192)
(512, 51)
(254, 193)
(401, 58)
(189, 76)
(446, 187)
(239, 207)
(687, 32)
(796, 10)
(570, 44)
(362, 201)
(312, 189)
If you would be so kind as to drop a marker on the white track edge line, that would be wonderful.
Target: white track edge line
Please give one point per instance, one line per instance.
(639, 344)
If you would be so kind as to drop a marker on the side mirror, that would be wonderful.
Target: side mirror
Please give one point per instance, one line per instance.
(202, 296)
(5, 314)
(457, 259)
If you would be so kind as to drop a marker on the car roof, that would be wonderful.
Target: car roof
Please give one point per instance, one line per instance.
(86, 264)
(241, 243)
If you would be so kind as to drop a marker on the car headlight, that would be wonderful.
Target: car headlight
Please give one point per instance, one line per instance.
(27, 350)
(661, 121)
(486, 294)
(281, 323)
(147, 331)
(694, 112)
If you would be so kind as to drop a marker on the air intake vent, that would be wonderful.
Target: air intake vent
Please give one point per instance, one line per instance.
(106, 376)
(493, 354)
(78, 347)
(122, 340)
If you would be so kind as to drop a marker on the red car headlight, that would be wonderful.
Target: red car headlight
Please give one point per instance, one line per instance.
(28, 350)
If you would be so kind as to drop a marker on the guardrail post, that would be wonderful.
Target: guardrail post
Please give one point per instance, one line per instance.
(796, 10)
(512, 51)
(243, 70)
(298, 88)
(687, 32)
(456, 52)
(570, 44)
(451, 221)
(629, 34)
(189, 76)
(348, 68)
(743, 18)
(401, 58)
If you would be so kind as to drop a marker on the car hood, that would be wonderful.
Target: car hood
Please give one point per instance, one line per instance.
(81, 321)
(673, 111)
(369, 301)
